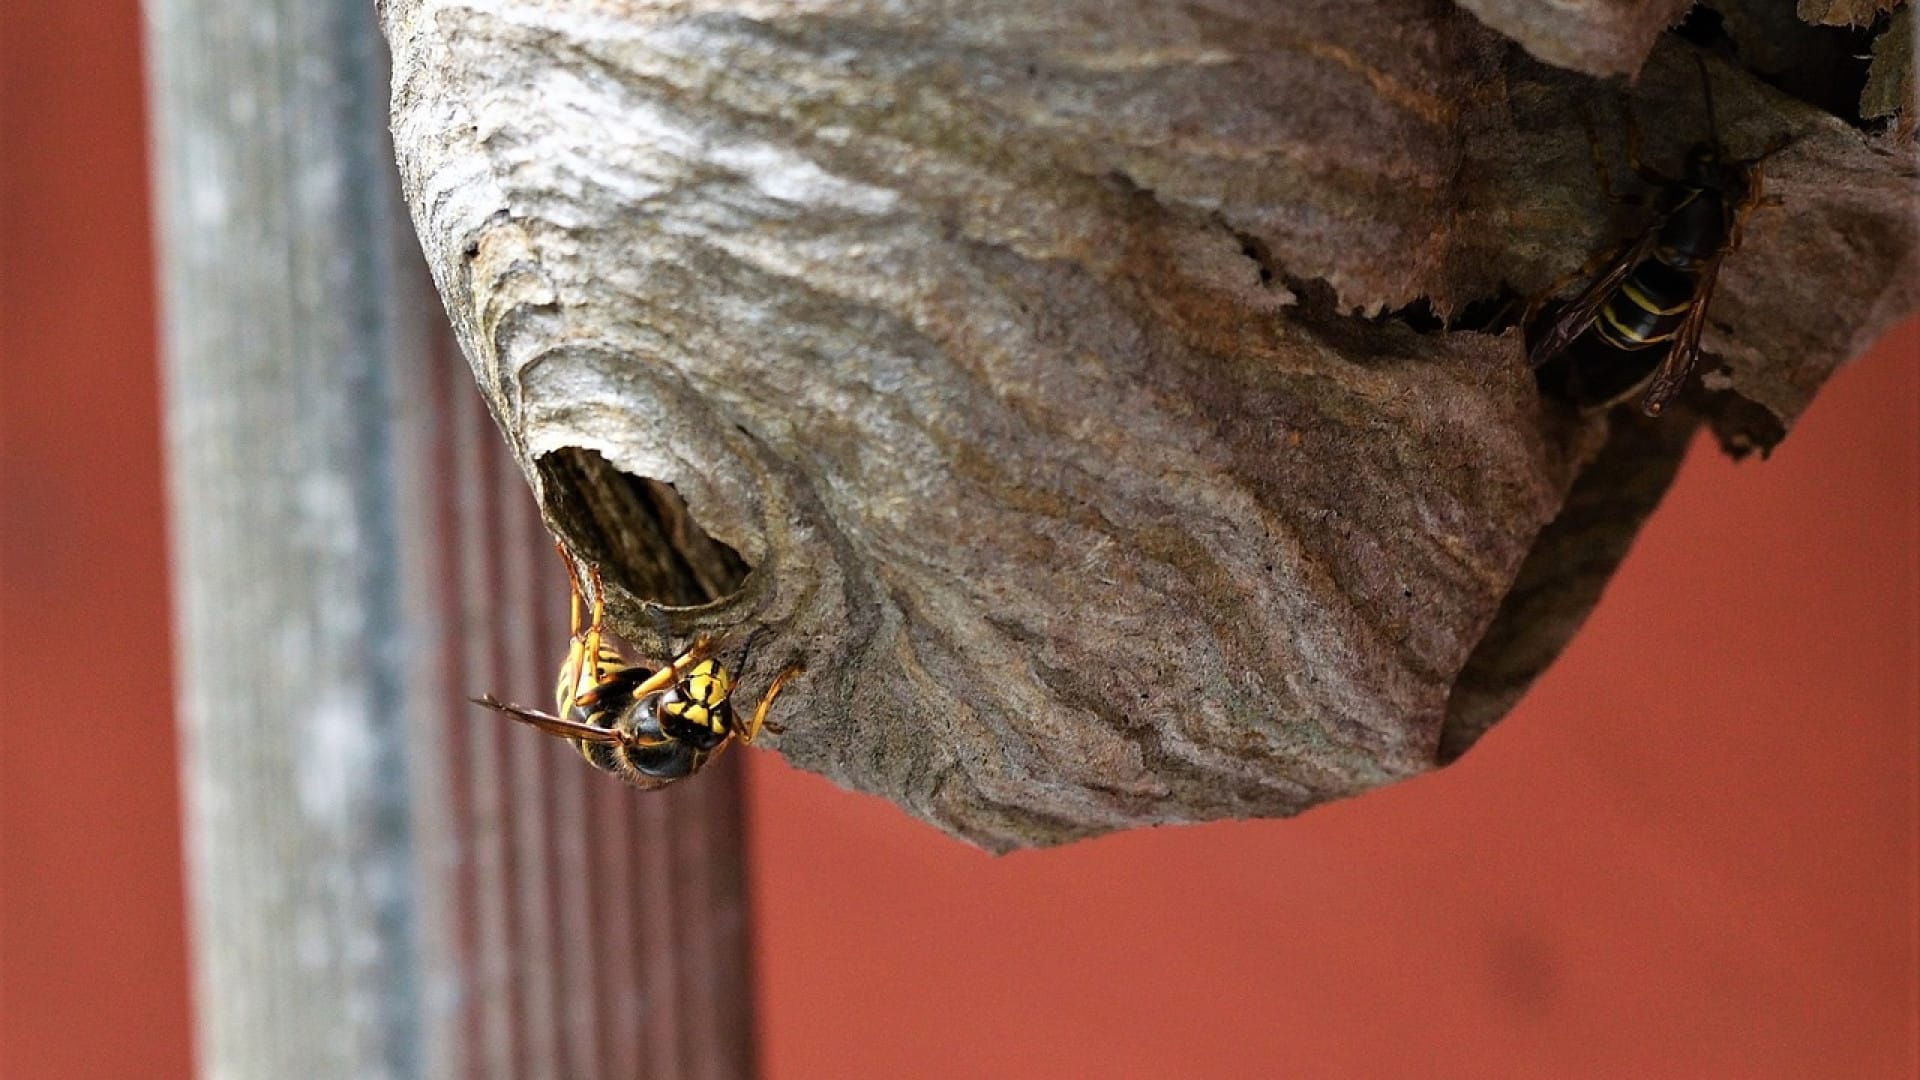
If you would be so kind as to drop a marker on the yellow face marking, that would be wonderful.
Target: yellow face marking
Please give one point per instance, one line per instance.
(700, 688)
(695, 713)
(708, 683)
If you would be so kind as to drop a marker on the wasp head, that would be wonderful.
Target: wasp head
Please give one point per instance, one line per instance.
(695, 710)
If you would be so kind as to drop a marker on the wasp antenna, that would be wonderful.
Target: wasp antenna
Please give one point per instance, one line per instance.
(747, 649)
(657, 615)
(654, 613)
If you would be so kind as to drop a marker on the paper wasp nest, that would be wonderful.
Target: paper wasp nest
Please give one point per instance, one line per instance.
(1073, 376)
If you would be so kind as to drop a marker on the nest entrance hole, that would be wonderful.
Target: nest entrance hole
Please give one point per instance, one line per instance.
(638, 530)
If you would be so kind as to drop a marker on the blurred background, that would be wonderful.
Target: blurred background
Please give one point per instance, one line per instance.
(1691, 851)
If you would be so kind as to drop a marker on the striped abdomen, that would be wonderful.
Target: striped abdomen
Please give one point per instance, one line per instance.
(1634, 329)
(1649, 306)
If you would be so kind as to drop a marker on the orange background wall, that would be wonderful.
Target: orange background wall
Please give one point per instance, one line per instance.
(1692, 851)
(93, 975)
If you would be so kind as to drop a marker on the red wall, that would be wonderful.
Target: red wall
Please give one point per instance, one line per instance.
(93, 975)
(1691, 851)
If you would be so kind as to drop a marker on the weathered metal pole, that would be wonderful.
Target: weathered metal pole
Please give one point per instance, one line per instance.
(381, 882)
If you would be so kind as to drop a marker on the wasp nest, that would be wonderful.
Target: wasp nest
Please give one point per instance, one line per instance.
(1119, 405)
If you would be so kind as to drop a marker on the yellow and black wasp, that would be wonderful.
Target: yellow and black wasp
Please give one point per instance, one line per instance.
(648, 726)
(1638, 323)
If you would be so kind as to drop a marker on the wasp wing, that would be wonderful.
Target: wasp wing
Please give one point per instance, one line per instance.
(1573, 320)
(1671, 375)
(549, 723)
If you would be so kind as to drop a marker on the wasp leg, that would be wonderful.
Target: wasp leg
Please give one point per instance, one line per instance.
(602, 661)
(1601, 173)
(599, 663)
(751, 730)
(576, 661)
(593, 627)
(573, 580)
(1600, 170)
(669, 675)
(1640, 168)
(1757, 200)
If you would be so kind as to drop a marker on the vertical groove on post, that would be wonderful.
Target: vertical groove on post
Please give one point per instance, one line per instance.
(385, 880)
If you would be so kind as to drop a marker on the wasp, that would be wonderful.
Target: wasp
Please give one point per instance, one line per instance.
(647, 726)
(1638, 323)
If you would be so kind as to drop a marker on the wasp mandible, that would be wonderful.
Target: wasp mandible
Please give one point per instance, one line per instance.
(648, 727)
(1638, 323)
